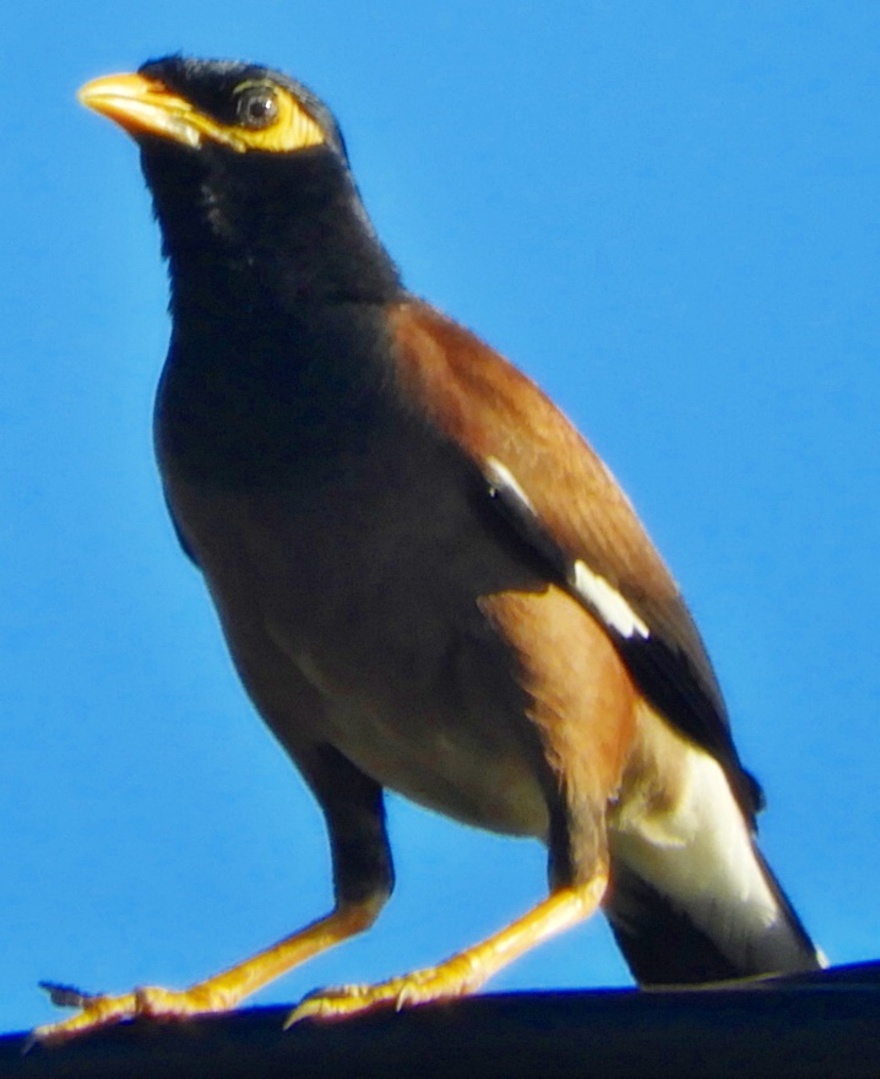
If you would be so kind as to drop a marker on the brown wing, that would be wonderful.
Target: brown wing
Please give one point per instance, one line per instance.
(562, 499)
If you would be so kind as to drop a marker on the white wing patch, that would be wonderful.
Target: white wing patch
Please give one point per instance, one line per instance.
(606, 601)
(502, 479)
(597, 593)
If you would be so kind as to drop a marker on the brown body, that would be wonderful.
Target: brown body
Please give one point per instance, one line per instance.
(427, 579)
(439, 694)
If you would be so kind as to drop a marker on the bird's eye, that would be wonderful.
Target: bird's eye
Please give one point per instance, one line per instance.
(256, 106)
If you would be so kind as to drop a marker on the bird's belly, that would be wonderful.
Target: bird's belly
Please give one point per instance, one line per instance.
(373, 610)
(427, 700)
(444, 767)
(432, 708)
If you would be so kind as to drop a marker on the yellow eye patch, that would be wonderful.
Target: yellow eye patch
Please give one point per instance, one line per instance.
(270, 117)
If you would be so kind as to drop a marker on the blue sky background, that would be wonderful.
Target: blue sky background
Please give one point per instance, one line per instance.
(668, 215)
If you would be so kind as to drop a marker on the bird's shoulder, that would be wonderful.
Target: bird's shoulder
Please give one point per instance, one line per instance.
(559, 495)
(496, 413)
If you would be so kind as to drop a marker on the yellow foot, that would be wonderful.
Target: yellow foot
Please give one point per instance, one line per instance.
(456, 978)
(98, 1010)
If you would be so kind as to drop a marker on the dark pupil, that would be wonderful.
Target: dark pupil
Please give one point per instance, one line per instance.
(258, 108)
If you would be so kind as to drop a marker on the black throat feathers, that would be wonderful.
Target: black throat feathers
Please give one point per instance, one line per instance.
(278, 282)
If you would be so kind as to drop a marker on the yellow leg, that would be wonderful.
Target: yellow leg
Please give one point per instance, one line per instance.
(465, 972)
(216, 994)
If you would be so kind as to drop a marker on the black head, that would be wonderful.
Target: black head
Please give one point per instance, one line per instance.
(242, 107)
(247, 166)
(249, 107)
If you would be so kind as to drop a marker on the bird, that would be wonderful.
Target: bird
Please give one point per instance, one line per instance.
(428, 581)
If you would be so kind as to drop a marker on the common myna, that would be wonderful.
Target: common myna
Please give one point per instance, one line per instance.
(427, 579)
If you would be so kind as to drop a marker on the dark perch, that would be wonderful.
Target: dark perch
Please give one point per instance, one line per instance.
(825, 1024)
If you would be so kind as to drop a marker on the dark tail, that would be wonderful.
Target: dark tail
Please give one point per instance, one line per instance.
(663, 944)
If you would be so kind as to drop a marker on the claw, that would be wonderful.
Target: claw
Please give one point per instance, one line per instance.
(337, 1002)
(95, 1011)
(456, 978)
(152, 1001)
(67, 996)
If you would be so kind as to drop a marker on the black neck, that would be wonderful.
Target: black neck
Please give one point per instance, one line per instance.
(278, 354)
(289, 226)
